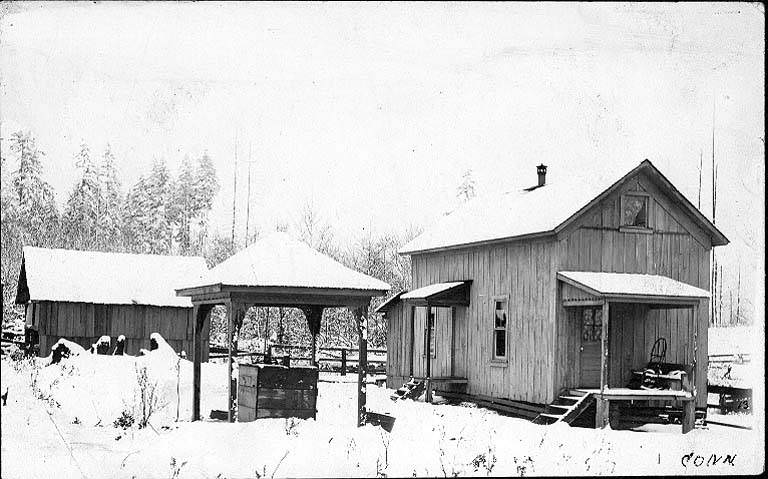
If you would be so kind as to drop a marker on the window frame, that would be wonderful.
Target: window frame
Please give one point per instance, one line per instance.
(499, 360)
(635, 228)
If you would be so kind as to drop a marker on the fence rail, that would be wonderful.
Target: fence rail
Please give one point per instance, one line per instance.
(342, 363)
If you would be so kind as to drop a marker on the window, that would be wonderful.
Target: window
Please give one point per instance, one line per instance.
(500, 329)
(592, 324)
(430, 323)
(634, 210)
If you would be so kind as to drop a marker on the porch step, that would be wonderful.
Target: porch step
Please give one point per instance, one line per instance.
(565, 412)
(413, 389)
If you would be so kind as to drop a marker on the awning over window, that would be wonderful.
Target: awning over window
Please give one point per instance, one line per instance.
(439, 294)
(629, 287)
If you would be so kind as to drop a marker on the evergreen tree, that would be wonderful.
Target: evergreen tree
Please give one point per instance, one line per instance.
(81, 215)
(195, 190)
(111, 202)
(37, 212)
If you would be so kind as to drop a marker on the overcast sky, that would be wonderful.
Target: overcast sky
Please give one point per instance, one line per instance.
(372, 112)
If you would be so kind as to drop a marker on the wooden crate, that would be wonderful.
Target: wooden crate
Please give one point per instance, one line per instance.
(266, 390)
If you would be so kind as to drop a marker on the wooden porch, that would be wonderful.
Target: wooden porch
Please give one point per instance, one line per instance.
(606, 315)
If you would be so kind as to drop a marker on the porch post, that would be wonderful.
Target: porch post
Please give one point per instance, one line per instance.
(361, 318)
(199, 315)
(602, 418)
(427, 347)
(412, 312)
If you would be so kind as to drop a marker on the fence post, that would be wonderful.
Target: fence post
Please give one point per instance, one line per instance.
(343, 362)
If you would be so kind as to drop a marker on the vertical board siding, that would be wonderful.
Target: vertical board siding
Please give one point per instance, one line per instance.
(677, 248)
(85, 323)
(522, 272)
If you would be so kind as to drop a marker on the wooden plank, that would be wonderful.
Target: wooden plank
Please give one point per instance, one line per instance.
(280, 413)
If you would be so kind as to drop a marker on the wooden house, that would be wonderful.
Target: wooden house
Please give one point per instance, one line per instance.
(83, 295)
(561, 285)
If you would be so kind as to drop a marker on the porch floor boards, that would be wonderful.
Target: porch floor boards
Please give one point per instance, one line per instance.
(626, 394)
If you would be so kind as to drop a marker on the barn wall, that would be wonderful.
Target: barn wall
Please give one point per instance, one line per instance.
(85, 323)
(677, 248)
(524, 273)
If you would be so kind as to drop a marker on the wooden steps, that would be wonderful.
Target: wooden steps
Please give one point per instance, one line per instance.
(567, 407)
(413, 389)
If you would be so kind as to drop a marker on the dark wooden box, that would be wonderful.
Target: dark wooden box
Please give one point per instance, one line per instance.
(266, 390)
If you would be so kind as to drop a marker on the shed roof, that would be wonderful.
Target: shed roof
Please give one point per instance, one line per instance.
(278, 260)
(631, 285)
(105, 278)
(431, 290)
(386, 305)
(542, 210)
(455, 293)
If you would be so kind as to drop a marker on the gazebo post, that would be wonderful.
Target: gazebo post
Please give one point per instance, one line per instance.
(197, 349)
(361, 318)
(235, 314)
(199, 315)
(314, 315)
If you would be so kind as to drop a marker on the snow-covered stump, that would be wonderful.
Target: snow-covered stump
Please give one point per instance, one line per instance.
(119, 346)
(103, 345)
(64, 349)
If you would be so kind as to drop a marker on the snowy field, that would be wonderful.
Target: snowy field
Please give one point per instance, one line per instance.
(60, 422)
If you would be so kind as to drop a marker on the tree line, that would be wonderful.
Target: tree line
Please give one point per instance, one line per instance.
(163, 213)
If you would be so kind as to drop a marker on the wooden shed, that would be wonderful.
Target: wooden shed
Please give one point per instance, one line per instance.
(534, 292)
(83, 295)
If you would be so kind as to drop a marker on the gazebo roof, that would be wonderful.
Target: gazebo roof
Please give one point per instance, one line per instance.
(278, 263)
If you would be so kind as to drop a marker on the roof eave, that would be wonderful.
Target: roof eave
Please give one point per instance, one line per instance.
(474, 244)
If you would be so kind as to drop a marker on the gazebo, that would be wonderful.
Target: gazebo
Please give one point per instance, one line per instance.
(278, 270)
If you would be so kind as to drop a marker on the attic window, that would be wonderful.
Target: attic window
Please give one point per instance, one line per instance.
(634, 210)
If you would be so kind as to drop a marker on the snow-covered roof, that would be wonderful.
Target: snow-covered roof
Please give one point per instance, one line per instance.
(106, 278)
(540, 210)
(279, 260)
(631, 284)
(430, 290)
(384, 307)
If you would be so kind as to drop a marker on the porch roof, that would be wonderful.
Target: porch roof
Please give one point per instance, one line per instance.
(455, 293)
(384, 307)
(632, 286)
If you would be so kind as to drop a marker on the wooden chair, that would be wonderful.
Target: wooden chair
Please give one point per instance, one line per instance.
(658, 355)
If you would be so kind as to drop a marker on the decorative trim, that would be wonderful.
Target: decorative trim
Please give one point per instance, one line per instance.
(636, 229)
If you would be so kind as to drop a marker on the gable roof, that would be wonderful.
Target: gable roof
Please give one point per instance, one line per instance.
(540, 211)
(105, 278)
(278, 260)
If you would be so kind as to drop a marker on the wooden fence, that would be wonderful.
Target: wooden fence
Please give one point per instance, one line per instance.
(342, 360)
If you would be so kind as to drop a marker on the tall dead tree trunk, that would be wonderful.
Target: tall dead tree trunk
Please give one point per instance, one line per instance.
(738, 298)
(234, 195)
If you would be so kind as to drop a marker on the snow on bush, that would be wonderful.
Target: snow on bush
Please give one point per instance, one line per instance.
(64, 349)
(100, 389)
(103, 345)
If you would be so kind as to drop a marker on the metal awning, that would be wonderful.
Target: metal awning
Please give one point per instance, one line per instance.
(454, 293)
(631, 287)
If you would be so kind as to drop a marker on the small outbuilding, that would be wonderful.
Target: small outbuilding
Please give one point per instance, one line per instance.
(84, 295)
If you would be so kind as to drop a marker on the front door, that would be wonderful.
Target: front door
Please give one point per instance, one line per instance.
(591, 335)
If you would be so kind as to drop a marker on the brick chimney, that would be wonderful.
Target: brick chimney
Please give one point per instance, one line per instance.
(541, 171)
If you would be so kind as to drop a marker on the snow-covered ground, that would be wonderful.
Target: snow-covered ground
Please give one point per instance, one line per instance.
(64, 427)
